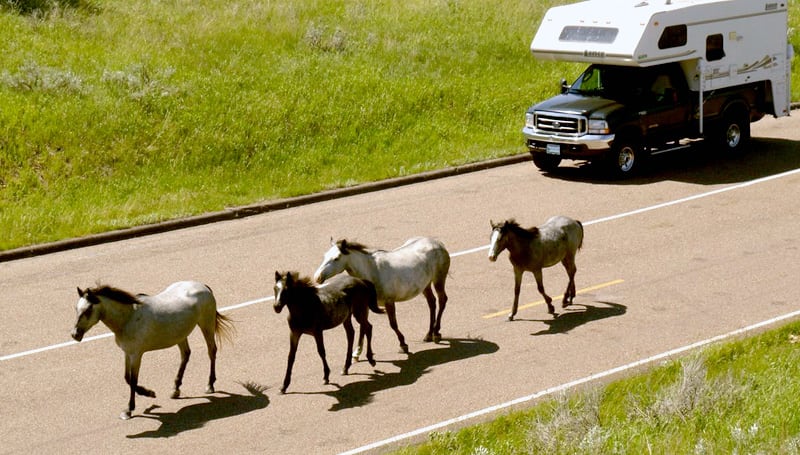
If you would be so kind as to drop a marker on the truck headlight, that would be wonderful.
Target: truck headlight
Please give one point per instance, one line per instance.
(598, 127)
(529, 123)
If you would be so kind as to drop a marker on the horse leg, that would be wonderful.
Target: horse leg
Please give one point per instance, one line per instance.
(365, 329)
(540, 286)
(211, 346)
(132, 364)
(569, 294)
(294, 338)
(326, 371)
(390, 311)
(517, 287)
(358, 349)
(439, 287)
(428, 293)
(348, 329)
(185, 353)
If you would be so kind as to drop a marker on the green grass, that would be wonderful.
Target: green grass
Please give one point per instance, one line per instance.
(116, 113)
(739, 397)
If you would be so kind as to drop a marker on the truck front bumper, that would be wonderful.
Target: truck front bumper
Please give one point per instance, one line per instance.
(571, 147)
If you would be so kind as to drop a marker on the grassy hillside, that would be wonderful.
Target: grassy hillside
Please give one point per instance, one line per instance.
(737, 397)
(117, 113)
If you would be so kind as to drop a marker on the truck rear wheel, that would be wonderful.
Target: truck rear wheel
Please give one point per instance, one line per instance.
(545, 162)
(625, 158)
(734, 133)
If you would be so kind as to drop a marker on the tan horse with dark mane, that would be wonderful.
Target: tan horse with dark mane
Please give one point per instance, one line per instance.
(532, 249)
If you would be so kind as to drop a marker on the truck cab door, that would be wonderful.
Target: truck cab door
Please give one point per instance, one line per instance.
(665, 112)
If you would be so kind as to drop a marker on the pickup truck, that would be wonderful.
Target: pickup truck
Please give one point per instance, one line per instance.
(620, 115)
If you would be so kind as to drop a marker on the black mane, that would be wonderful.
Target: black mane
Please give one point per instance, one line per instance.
(115, 294)
(298, 282)
(512, 225)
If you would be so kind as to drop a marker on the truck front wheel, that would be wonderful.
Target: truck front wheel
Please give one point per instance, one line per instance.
(625, 158)
(545, 162)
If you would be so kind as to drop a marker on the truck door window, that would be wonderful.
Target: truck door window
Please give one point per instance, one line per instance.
(662, 91)
(714, 47)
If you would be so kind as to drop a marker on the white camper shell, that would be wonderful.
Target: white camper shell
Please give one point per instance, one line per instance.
(729, 42)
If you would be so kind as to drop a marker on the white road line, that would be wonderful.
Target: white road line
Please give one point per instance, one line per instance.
(465, 252)
(570, 385)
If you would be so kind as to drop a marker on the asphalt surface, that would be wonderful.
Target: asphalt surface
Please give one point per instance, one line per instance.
(696, 247)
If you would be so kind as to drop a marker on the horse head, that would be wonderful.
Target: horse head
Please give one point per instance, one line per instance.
(88, 310)
(333, 262)
(282, 281)
(497, 241)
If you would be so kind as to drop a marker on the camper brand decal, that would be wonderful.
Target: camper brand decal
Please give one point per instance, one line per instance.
(770, 7)
(598, 54)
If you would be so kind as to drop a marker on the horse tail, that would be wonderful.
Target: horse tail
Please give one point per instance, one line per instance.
(223, 328)
(372, 300)
(580, 240)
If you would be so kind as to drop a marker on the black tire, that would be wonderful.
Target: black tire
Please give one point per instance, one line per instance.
(625, 158)
(734, 132)
(545, 162)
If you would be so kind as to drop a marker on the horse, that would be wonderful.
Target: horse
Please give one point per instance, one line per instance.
(558, 240)
(399, 275)
(313, 309)
(143, 323)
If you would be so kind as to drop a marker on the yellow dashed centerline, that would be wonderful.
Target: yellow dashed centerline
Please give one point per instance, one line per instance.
(540, 302)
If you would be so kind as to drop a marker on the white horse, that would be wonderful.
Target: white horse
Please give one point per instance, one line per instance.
(420, 264)
(144, 323)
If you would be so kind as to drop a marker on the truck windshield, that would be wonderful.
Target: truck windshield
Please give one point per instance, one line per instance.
(612, 82)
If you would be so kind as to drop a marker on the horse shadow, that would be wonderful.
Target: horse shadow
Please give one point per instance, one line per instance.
(570, 318)
(360, 393)
(197, 415)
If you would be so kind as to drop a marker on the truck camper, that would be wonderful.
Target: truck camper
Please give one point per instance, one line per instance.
(661, 74)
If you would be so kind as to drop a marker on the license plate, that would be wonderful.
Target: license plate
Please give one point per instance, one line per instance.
(553, 149)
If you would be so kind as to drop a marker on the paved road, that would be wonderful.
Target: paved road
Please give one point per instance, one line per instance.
(649, 281)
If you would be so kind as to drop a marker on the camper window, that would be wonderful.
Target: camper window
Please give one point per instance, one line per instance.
(588, 34)
(673, 36)
(714, 48)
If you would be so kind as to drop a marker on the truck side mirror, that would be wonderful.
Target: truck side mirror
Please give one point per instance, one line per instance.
(564, 86)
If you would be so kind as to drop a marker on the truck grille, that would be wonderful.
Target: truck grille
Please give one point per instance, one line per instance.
(560, 124)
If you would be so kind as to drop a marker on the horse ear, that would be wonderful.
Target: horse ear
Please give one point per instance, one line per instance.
(289, 278)
(277, 275)
(80, 292)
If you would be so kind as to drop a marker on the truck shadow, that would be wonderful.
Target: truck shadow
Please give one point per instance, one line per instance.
(360, 393)
(700, 164)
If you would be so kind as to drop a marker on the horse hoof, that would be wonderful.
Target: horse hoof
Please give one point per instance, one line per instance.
(210, 389)
(371, 361)
(437, 338)
(404, 349)
(428, 338)
(176, 394)
(283, 390)
(126, 415)
(510, 317)
(344, 373)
